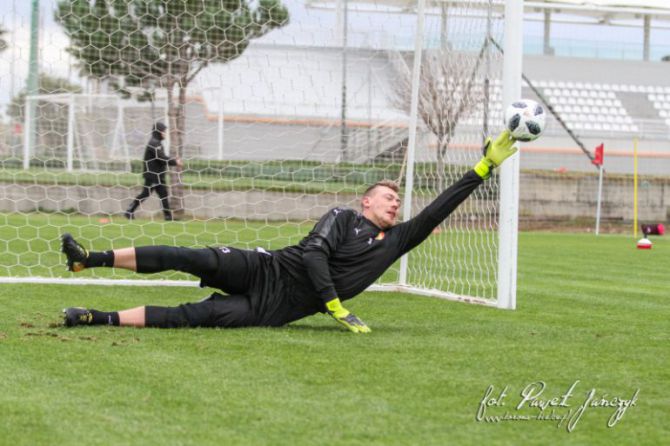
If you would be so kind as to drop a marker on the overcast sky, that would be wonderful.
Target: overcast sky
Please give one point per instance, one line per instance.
(307, 25)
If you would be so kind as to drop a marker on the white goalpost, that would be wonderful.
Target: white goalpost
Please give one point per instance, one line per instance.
(509, 182)
(89, 126)
(347, 94)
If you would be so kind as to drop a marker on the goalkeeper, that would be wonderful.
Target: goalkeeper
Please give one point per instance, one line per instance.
(345, 252)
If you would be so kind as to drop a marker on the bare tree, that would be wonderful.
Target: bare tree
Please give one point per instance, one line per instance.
(448, 91)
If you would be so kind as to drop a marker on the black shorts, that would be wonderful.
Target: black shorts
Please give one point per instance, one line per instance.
(258, 294)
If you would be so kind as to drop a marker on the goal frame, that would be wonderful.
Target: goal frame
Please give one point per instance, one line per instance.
(70, 100)
(509, 173)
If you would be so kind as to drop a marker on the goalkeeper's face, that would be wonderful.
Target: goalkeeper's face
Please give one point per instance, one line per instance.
(381, 206)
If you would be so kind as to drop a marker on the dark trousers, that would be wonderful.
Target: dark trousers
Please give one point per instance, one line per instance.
(229, 311)
(150, 186)
(258, 295)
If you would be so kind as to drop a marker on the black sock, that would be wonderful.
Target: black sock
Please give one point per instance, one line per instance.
(104, 318)
(94, 259)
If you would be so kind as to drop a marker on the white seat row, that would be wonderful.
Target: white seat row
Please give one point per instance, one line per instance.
(584, 117)
(579, 93)
(632, 88)
(603, 126)
(585, 101)
(662, 105)
(568, 84)
(608, 111)
(658, 97)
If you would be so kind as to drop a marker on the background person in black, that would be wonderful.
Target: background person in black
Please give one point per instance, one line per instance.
(155, 165)
(345, 252)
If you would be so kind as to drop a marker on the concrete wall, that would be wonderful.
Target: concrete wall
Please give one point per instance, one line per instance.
(570, 197)
(542, 197)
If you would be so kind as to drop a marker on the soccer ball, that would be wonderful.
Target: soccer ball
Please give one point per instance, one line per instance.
(525, 119)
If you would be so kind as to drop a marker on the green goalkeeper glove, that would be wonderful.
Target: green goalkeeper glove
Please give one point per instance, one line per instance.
(495, 152)
(344, 317)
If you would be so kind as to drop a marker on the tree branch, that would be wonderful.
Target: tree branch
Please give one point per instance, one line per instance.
(190, 77)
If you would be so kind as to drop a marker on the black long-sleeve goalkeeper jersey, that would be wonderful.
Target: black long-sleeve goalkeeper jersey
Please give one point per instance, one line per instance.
(345, 252)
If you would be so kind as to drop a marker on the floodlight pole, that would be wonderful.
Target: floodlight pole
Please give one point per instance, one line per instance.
(646, 25)
(11, 59)
(27, 133)
(343, 106)
(220, 135)
(70, 133)
(32, 86)
(413, 120)
(508, 225)
(487, 70)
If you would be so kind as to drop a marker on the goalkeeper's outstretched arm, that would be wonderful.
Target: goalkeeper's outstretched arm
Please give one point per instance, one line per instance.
(495, 151)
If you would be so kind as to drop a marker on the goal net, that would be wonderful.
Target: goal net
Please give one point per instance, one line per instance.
(273, 130)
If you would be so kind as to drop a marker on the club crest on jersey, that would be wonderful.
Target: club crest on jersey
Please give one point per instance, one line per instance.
(380, 236)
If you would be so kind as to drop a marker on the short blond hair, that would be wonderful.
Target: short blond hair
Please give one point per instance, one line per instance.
(393, 185)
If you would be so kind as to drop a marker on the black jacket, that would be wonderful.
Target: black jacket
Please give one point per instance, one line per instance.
(156, 162)
(345, 252)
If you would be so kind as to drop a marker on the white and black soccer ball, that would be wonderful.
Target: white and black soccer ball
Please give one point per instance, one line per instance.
(525, 119)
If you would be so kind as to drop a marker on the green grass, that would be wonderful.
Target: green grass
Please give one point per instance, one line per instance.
(592, 309)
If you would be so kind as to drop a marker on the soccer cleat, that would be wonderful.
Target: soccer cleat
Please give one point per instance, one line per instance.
(75, 253)
(76, 316)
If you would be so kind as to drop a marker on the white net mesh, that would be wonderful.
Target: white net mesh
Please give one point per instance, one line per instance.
(276, 121)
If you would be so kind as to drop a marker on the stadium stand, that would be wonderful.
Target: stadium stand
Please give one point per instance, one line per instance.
(600, 100)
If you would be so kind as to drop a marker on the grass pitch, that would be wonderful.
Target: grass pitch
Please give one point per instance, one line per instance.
(590, 309)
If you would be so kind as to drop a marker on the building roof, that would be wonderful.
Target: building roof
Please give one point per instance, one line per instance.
(601, 10)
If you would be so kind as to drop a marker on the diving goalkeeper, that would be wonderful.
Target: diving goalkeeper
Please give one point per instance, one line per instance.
(345, 252)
